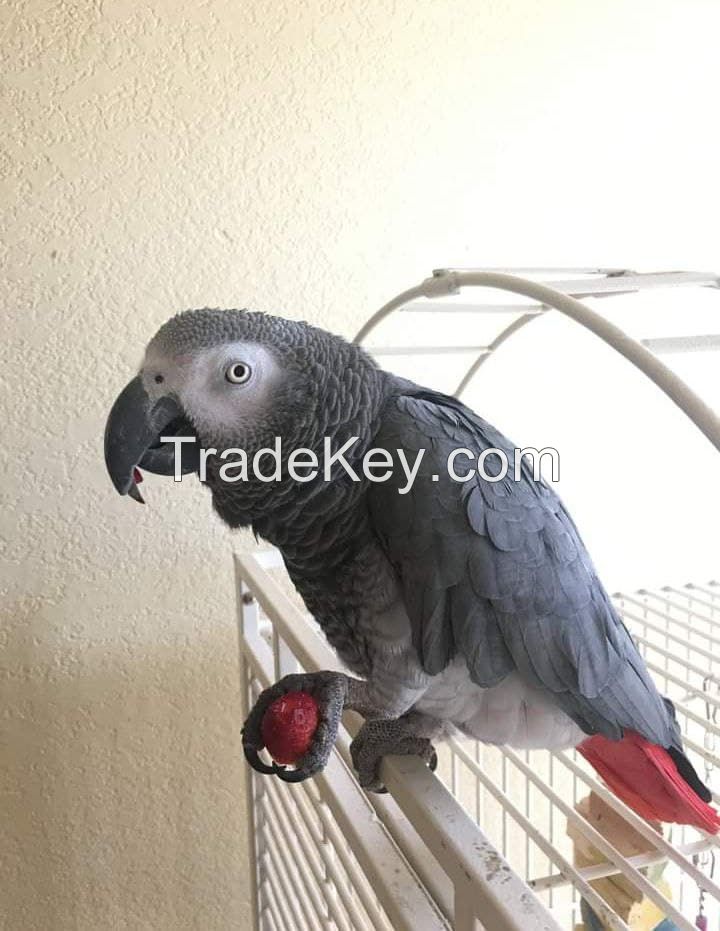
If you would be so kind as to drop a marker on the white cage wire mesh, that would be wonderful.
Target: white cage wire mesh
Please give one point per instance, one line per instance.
(496, 839)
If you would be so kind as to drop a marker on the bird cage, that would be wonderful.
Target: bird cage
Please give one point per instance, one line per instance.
(499, 839)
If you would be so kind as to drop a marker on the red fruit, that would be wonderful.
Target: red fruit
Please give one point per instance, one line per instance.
(288, 726)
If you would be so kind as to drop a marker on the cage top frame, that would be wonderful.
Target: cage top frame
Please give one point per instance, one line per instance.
(561, 289)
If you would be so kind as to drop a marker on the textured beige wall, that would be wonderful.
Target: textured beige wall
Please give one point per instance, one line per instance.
(308, 158)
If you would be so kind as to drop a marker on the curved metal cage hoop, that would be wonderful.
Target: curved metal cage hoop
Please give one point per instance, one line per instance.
(561, 290)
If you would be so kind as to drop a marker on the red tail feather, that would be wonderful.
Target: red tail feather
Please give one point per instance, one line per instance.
(645, 777)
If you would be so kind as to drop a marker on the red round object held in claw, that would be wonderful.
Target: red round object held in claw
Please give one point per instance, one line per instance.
(288, 726)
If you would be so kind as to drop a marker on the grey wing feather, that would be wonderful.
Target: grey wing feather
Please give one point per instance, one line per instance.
(497, 572)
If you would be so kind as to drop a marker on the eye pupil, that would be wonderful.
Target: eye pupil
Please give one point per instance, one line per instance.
(159, 379)
(238, 373)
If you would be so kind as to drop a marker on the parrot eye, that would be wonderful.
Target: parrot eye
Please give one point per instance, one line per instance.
(238, 373)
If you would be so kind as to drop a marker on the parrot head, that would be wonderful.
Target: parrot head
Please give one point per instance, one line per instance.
(231, 379)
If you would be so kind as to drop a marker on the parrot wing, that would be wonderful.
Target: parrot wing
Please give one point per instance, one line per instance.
(496, 572)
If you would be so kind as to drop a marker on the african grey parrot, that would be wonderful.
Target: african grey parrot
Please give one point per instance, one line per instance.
(456, 605)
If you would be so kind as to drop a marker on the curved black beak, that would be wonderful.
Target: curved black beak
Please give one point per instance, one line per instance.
(132, 438)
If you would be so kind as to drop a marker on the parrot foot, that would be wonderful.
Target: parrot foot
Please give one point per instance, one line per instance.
(329, 689)
(395, 737)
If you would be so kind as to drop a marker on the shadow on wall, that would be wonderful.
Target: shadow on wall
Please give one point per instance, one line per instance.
(125, 784)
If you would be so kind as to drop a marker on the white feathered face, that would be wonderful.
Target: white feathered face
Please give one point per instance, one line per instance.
(223, 390)
(234, 378)
(225, 378)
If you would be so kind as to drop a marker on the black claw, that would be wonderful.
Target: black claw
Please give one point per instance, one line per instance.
(274, 769)
(251, 755)
(433, 762)
(372, 785)
(292, 775)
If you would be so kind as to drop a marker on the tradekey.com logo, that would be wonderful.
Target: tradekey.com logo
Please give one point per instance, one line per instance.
(376, 465)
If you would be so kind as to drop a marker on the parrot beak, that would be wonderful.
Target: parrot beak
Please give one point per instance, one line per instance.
(132, 438)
